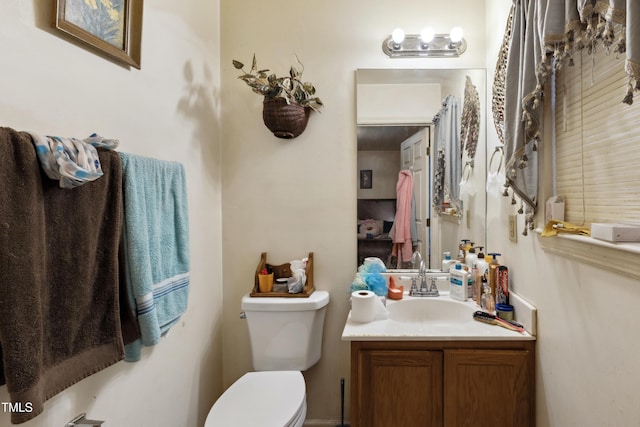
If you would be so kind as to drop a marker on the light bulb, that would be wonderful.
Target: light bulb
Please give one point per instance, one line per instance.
(427, 35)
(397, 36)
(456, 35)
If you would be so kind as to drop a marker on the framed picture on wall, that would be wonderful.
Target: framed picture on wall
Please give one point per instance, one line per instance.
(366, 178)
(110, 27)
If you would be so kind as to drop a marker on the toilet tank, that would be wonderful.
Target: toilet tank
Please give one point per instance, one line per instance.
(285, 333)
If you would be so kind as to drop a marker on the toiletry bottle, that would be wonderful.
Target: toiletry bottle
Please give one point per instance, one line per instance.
(482, 278)
(483, 268)
(462, 250)
(487, 259)
(447, 262)
(467, 268)
(475, 279)
(488, 304)
(471, 256)
(458, 282)
(502, 285)
(493, 272)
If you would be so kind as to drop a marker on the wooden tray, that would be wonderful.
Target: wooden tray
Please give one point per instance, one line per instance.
(283, 271)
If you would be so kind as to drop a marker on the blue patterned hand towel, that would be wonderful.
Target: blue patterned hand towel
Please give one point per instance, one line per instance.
(156, 242)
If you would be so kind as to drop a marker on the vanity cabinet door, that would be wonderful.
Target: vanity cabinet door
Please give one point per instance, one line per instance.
(489, 388)
(397, 388)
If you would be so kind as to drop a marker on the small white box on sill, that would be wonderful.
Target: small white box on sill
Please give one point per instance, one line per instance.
(615, 232)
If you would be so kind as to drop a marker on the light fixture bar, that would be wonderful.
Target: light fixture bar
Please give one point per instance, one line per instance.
(413, 47)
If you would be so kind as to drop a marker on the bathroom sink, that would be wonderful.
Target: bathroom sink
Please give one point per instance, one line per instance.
(437, 310)
(428, 318)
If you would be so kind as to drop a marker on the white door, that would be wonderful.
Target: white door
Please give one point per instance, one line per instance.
(414, 155)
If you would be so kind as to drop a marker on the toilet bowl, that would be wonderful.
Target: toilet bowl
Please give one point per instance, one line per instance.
(286, 338)
(265, 399)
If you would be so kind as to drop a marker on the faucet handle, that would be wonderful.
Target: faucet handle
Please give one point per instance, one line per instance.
(433, 289)
(414, 286)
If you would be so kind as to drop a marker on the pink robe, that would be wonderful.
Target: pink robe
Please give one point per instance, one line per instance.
(401, 237)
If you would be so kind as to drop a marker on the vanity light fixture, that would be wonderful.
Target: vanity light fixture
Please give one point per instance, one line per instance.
(425, 44)
(397, 37)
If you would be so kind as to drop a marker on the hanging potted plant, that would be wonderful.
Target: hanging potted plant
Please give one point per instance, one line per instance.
(288, 101)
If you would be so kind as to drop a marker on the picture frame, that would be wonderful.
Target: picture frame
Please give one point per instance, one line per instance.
(112, 28)
(366, 178)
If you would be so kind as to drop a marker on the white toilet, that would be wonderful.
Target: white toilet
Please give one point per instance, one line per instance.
(286, 338)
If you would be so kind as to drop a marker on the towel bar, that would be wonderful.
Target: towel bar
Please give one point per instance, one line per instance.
(80, 420)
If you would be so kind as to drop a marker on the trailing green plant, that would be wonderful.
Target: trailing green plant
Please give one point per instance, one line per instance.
(290, 88)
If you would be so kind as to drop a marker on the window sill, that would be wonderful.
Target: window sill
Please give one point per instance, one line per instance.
(621, 258)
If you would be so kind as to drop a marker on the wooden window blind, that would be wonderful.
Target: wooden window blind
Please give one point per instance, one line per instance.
(597, 141)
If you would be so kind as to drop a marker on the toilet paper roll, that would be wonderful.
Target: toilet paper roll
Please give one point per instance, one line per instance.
(367, 307)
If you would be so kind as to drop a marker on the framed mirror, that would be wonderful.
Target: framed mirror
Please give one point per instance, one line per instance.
(398, 115)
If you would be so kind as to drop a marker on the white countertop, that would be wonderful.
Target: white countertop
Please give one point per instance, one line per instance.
(465, 329)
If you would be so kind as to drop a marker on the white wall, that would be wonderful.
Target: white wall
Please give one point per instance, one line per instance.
(397, 103)
(587, 347)
(384, 166)
(170, 109)
(289, 197)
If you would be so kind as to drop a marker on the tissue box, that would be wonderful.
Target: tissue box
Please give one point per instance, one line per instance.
(615, 232)
(554, 209)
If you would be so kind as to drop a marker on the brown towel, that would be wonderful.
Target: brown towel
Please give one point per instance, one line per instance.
(59, 308)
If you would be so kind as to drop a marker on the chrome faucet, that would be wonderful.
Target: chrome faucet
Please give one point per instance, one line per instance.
(424, 290)
(423, 277)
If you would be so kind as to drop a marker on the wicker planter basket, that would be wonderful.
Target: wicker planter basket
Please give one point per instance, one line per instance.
(284, 120)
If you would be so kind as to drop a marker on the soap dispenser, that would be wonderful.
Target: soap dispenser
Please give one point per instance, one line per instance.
(471, 257)
(462, 249)
(482, 264)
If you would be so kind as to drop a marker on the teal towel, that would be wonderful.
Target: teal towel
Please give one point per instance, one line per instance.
(156, 242)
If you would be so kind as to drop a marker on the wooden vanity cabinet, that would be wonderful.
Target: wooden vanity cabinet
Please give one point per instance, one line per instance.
(442, 383)
(397, 388)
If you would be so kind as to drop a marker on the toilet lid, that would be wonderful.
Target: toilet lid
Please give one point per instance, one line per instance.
(269, 398)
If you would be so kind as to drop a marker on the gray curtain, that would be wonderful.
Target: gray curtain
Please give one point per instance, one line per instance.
(546, 33)
(522, 105)
(449, 150)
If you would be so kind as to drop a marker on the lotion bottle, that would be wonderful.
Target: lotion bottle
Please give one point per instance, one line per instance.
(458, 283)
(471, 257)
(447, 262)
